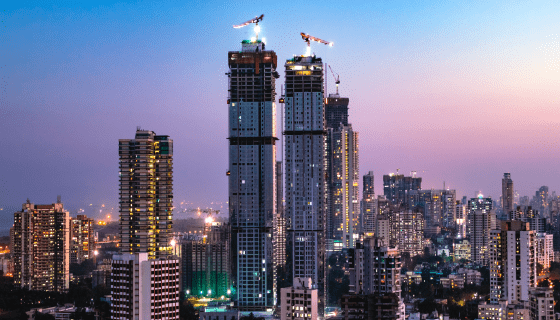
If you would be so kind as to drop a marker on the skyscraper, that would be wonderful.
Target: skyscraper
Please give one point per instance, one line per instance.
(305, 170)
(252, 180)
(481, 219)
(41, 247)
(145, 276)
(396, 187)
(437, 206)
(146, 193)
(507, 194)
(369, 204)
(343, 215)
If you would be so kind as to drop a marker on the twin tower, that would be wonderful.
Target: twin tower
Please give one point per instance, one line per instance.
(275, 242)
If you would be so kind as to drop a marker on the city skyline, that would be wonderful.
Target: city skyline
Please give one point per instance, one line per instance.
(488, 99)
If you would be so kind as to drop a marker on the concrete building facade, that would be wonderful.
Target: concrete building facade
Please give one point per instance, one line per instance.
(41, 247)
(305, 169)
(252, 168)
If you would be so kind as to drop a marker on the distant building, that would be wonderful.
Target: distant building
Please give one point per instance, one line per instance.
(375, 277)
(369, 204)
(437, 206)
(480, 220)
(343, 217)
(462, 251)
(300, 301)
(507, 194)
(41, 247)
(82, 239)
(397, 186)
(545, 249)
(410, 233)
(206, 263)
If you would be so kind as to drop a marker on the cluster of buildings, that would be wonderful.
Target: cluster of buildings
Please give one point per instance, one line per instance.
(287, 214)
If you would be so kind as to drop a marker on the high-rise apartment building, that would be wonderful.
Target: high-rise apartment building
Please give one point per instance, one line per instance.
(410, 233)
(507, 194)
(544, 249)
(252, 166)
(279, 235)
(305, 132)
(41, 247)
(513, 258)
(396, 187)
(146, 193)
(461, 214)
(437, 206)
(206, 262)
(376, 270)
(369, 204)
(343, 215)
(82, 239)
(481, 219)
(145, 276)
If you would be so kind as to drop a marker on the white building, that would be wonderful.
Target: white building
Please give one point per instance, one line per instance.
(143, 288)
(545, 249)
(300, 301)
(542, 303)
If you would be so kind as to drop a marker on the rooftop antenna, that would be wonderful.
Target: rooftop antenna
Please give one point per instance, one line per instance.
(255, 20)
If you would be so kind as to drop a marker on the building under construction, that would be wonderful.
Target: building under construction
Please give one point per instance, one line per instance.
(306, 191)
(252, 174)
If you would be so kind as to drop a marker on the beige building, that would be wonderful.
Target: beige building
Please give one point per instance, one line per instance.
(146, 193)
(299, 302)
(545, 249)
(82, 239)
(41, 247)
(462, 250)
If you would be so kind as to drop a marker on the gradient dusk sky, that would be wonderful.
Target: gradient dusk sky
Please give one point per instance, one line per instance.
(460, 92)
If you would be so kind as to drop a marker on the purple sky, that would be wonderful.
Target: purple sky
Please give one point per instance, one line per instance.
(459, 92)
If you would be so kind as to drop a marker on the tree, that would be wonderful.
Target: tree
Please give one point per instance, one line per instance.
(187, 311)
(251, 316)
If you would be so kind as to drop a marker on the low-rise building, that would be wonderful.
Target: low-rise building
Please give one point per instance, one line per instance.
(542, 303)
(299, 302)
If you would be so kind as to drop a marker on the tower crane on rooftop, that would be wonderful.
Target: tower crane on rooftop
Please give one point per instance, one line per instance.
(255, 20)
(336, 78)
(308, 38)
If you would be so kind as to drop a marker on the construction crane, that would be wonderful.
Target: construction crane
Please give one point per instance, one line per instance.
(307, 38)
(255, 20)
(336, 78)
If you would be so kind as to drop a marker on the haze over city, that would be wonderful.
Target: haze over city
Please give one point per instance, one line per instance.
(460, 92)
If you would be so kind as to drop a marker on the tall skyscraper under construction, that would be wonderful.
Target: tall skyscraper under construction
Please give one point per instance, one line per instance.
(304, 157)
(252, 175)
(343, 207)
